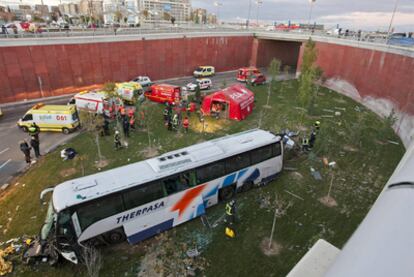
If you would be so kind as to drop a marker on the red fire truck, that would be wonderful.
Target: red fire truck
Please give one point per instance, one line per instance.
(164, 93)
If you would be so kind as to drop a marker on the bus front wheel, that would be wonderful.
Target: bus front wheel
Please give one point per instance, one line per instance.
(66, 131)
(115, 236)
(227, 193)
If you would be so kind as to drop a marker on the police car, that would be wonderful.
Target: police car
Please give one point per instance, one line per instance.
(203, 83)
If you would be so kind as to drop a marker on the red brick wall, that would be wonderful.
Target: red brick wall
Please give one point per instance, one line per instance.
(372, 73)
(72, 67)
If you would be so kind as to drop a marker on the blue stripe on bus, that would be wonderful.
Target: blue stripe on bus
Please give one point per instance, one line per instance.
(211, 192)
(255, 174)
(229, 180)
(137, 237)
(241, 173)
(200, 210)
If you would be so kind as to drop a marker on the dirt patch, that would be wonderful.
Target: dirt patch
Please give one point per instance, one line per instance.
(302, 128)
(328, 201)
(101, 163)
(179, 135)
(267, 106)
(350, 148)
(149, 152)
(67, 172)
(274, 249)
(296, 175)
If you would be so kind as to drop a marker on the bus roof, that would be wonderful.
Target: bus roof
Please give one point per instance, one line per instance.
(86, 188)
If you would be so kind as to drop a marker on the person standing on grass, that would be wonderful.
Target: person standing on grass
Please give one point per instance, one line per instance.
(117, 140)
(132, 121)
(36, 146)
(186, 123)
(125, 127)
(25, 148)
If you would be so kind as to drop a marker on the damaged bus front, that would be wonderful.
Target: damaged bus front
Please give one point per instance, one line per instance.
(56, 237)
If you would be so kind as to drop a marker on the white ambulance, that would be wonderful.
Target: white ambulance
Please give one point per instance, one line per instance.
(95, 102)
(60, 118)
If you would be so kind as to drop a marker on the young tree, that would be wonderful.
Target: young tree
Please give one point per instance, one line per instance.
(308, 76)
(273, 70)
(93, 123)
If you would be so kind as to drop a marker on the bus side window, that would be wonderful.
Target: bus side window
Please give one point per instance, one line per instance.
(261, 154)
(237, 162)
(143, 194)
(179, 182)
(99, 209)
(210, 172)
(276, 149)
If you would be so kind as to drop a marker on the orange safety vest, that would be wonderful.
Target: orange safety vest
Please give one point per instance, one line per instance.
(186, 123)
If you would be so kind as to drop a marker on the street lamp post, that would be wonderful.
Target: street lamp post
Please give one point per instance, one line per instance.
(310, 11)
(217, 4)
(392, 19)
(248, 16)
(258, 3)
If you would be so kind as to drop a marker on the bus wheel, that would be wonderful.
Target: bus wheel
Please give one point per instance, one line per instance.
(66, 131)
(115, 236)
(24, 129)
(247, 186)
(226, 193)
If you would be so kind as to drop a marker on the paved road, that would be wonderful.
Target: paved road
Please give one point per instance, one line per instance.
(12, 159)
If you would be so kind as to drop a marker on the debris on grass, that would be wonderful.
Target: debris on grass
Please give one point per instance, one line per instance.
(316, 174)
(296, 175)
(328, 110)
(67, 172)
(294, 195)
(4, 187)
(290, 168)
(327, 116)
(393, 142)
(349, 148)
(340, 108)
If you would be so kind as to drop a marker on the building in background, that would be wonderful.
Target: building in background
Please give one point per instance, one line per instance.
(93, 8)
(42, 11)
(146, 11)
(158, 11)
(69, 9)
(121, 11)
(199, 16)
(211, 19)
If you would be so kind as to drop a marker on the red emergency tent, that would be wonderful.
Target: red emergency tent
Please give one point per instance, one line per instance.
(235, 102)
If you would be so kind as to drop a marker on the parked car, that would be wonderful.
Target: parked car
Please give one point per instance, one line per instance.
(257, 79)
(144, 81)
(204, 71)
(204, 83)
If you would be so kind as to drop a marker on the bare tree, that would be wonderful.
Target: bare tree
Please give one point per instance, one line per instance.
(93, 260)
(93, 123)
(280, 210)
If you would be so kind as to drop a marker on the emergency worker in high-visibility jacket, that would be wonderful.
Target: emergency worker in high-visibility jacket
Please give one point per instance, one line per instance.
(231, 212)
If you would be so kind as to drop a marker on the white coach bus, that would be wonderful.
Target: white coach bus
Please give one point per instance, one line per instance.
(140, 200)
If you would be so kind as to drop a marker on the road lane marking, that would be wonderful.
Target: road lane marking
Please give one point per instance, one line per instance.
(4, 150)
(4, 164)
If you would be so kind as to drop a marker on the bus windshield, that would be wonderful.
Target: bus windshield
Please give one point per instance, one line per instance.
(50, 219)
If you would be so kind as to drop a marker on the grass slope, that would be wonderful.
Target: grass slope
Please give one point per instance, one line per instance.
(356, 140)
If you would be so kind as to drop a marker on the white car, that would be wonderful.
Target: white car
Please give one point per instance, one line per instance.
(144, 81)
(203, 83)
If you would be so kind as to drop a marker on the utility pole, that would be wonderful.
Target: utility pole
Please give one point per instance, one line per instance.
(392, 20)
(248, 16)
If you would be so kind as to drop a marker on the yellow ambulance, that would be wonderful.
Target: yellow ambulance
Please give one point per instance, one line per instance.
(60, 118)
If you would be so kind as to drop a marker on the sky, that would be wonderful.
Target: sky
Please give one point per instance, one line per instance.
(353, 14)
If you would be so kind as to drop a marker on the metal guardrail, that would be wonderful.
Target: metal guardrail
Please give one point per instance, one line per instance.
(62, 33)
